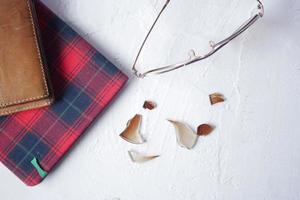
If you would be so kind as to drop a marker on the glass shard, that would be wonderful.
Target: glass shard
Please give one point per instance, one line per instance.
(204, 129)
(140, 158)
(150, 105)
(132, 132)
(216, 98)
(186, 137)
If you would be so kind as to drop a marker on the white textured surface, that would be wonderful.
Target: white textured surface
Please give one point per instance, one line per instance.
(254, 152)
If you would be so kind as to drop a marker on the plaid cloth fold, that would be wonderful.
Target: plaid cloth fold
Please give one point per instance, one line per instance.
(84, 83)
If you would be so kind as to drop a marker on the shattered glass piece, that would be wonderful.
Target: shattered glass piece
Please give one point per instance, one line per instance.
(186, 137)
(132, 132)
(140, 158)
(216, 98)
(204, 129)
(150, 105)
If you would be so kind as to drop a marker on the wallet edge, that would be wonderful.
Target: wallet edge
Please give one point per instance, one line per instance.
(44, 99)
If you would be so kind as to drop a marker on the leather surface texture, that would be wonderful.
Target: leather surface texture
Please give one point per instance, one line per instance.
(24, 82)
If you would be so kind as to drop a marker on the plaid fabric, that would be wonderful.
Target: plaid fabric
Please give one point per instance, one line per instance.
(84, 83)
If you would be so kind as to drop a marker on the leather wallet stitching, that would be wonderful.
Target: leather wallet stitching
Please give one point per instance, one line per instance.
(25, 108)
(41, 65)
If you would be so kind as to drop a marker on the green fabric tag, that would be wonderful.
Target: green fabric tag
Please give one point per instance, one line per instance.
(37, 166)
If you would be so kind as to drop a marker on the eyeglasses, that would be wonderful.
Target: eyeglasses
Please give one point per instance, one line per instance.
(193, 58)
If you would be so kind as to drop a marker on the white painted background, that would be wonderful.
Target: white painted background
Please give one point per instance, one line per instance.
(254, 154)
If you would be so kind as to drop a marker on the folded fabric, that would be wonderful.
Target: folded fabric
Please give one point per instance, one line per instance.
(84, 82)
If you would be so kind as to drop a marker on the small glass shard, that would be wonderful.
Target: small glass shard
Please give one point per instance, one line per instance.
(186, 137)
(140, 158)
(216, 98)
(132, 132)
(204, 129)
(150, 105)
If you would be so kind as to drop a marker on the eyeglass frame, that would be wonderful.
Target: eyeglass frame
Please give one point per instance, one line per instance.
(193, 58)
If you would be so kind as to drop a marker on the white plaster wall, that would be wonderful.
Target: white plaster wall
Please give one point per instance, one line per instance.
(254, 152)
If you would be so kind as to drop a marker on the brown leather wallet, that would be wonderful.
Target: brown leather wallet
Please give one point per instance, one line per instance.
(24, 81)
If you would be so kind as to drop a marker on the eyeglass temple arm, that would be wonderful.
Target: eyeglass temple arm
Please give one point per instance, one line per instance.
(136, 73)
(214, 46)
